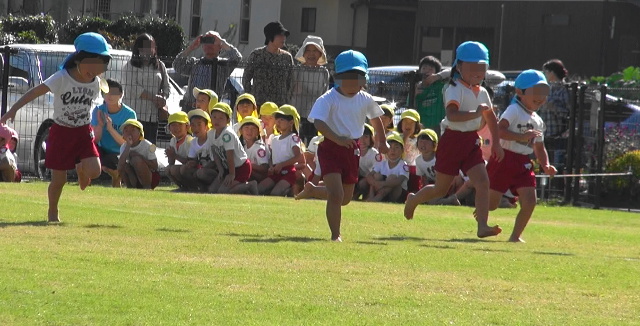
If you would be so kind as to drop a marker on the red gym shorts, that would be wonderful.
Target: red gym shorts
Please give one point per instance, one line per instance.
(458, 150)
(67, 146)
(243, 172)
(334, 158)
(155, 180)
(288, 174)
(513, 172)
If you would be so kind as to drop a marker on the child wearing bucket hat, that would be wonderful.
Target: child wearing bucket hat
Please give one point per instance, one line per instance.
(286, 151)
(408, 127)
(268, 122)
(200, 170)
(234, 168)
(369, 155)
(8, 161)
(77, 91)
(257, 152)
(178, 151)
(521, 134)
(468, 107)
(245, 107)
(387, 118)
(425, 163)
(205, 99)
(138, 164)
(340, 115)
(389, 177)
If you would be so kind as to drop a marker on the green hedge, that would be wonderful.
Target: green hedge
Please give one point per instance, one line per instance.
(44, 29)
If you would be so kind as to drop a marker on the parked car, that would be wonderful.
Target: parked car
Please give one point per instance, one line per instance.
(29, 67)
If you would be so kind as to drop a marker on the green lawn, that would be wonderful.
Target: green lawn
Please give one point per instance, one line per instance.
(132, 257)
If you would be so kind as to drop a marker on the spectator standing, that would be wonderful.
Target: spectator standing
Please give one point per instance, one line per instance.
(310, 80)
(555, 112)
(429, 96)
(269, 68)
(146, 84)
(210, 71)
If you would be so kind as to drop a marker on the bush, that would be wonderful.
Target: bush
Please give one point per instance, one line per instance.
(168, 34)
(620, 185)
(28, 37)
(43, 28)
(78, 25)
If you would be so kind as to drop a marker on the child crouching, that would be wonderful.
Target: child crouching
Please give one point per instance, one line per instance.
(137, 164)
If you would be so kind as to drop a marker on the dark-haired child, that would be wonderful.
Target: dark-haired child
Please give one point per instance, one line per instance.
(77, 89)
(199, 171)
(251, 131)
(369, 155)
(178, 150)
(388, 180)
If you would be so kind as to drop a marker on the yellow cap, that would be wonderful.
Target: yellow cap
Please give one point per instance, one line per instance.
(431, 134)
(268, 108)
(222, 107)
(410, 114)
(388, 109)
(180, 117)
(252, 99)
(396, 138)
(135, 123)
(290, 110)
(213, 97)
(370, 128)
(251, 120)
(200, 113)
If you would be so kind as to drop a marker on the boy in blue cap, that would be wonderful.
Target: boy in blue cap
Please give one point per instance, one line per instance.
(340, 115)
(521, 134)
(468, 106)
(77, 91)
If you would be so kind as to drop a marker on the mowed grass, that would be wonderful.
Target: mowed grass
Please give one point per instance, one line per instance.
(132, 257)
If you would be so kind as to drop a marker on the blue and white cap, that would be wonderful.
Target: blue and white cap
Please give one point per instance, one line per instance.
(89, 42)
(351, 60)
(471, 51)
(530, 78)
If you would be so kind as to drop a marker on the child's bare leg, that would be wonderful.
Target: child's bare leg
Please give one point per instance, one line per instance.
(494, 199)
(8, 173)
(234, 188)
(394, 194)
(129, 176)
(312, 191)
(480, 179)
(335, 197)
(265, 186)
(527, 198)
(427, 193)
(88, 168)
(58, 180)
(143, 173)
(281, 188)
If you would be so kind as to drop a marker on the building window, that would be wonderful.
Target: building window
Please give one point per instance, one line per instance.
(195, 18)
(556, 20)
(104, 9)
(245, 16)
(308, 20)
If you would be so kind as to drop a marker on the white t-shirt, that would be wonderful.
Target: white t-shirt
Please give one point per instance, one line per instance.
(183, 150)
(411, 151)
(467, 98)
(257, 153)
(201, 153)
(368, 160)
(11, 158)
(226, 140)
(145, 148)
(520, 121)
(401, 169)
(426, 168)
(345, 116)
(73, 101)
(313, 144)
(281, 148)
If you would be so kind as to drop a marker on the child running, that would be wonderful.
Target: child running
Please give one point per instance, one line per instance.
(340, 115)
(467, 105)
(76, 88)
(178, 150)
(137, 164)
(521, 134)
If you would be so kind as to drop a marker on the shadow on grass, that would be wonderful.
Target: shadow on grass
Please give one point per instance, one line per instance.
(400, 238)
(102, 226)
(4, 224)
(372, 243)
(553, 253)
(173, 230)
(259, 238)
(438, 247)
(468, 240)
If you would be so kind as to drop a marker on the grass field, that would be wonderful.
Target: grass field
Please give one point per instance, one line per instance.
(131, 257)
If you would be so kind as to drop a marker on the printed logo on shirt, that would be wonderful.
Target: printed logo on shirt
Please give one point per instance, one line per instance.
(262, 152)
(528, 166)
(3, 150)
(379, 157)
(226, 138)
(406, 168)
(295, 138)
(284, 172)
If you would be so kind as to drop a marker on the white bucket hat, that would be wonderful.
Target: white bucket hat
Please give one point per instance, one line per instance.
(317, 42)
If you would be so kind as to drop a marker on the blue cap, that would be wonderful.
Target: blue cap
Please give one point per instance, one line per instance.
(530, 78)
(474, 52)
(92, 43)
(351, 60)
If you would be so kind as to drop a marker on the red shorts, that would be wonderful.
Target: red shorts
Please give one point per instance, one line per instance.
(334, 158)
(18, 176)
(243, 172)
(457, 151)
(288, 174)
(155, 180)
(415, 181)
(515, 171)
(67, 146)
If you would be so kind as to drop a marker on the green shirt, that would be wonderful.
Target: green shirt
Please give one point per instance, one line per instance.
(430, 104)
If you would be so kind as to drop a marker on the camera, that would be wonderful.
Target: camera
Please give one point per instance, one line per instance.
(207, 39)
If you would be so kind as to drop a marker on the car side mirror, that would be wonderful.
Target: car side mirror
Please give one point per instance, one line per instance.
(18, 84)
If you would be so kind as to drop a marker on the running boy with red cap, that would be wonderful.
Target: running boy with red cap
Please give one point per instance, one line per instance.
(340, 115)
(521, 134)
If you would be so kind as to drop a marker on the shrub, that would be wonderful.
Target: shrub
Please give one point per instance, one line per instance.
(28, 37)
(43, 27)
(78, 25)
(622, 163)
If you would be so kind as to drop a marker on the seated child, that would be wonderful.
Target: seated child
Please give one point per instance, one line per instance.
(388, 180)
(409, 127)
(137, 165)
(285, 153)
(199, 171)
(178, 151)
(267, 109)
(387, 118)
(251, 129)
(234, 169)
(245, 107)
(205, 99)
(106, 121)
(369, 155)
(8, 162)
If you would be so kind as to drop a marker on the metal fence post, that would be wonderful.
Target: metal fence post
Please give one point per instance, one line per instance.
(600, 143)
(6, 51)
(571, 140)
(579, 145)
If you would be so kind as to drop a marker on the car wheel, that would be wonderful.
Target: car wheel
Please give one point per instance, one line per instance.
(39, 154)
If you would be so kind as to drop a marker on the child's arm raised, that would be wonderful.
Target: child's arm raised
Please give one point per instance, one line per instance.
(29, 96)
